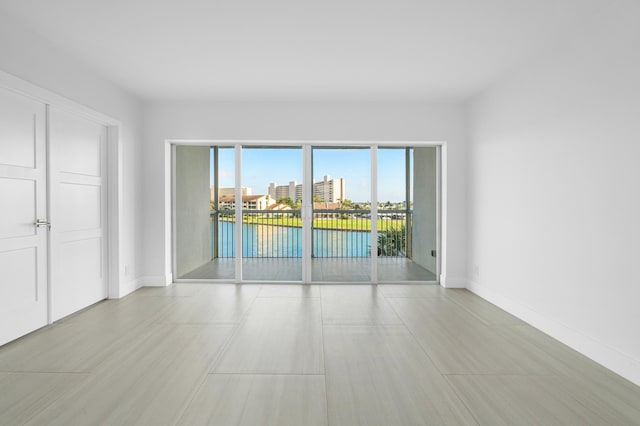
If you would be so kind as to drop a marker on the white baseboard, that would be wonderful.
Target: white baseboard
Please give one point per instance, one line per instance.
(611, 358)
(130, 286)
(156, 280)
(125, 288)
(452, 282)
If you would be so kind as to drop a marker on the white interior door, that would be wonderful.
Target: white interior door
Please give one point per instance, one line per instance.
(77, 180)
(23, 246)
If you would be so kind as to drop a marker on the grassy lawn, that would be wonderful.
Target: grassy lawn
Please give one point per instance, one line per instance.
(326, 223)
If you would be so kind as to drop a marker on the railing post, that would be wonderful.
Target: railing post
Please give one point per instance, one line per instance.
(408, 217)
(409, 234)
(215, 202)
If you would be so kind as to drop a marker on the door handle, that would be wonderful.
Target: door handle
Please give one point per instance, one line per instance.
(42, 222)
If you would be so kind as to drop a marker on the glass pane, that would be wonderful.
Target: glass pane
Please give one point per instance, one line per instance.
(223, 216)
(271, 220)
(407, 218)
(341, 234)
(204, 241)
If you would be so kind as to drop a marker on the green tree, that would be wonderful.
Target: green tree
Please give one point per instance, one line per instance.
(317, 199)
(288, 201)
(346, 204)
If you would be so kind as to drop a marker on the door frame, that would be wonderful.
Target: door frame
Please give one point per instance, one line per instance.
(307, 146)
(114, 273)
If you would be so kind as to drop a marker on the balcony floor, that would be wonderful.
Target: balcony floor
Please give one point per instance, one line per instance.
(390, 269)
(251, 354)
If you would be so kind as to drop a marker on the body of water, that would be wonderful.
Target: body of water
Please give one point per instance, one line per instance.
(286, 241)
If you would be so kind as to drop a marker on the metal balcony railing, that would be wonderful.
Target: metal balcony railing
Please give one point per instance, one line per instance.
(341, 233)
(266, 233)
(335, 233)
(222, 228)
(394, 233)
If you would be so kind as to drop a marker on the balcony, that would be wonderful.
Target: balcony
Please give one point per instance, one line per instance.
(272, 246)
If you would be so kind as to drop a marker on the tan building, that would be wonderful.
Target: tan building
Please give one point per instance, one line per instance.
(278, 207)
(229, 192)
(293, 190)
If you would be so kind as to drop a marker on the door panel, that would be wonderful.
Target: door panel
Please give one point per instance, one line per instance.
(18, 266)
(82, 145)
(23, 247)
(21, 118)
(82, 280)
(78, 200)
(83, 203)
(19, 195)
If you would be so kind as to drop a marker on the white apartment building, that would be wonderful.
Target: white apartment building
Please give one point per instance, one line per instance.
(330, 190)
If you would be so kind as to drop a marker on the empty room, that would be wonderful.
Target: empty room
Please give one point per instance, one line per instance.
(418, 212)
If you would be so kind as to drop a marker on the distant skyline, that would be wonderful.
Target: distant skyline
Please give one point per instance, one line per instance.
(260, 166)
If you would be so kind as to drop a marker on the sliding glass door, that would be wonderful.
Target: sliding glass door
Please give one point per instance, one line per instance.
(306, 213)
(204, 224)
(271, 219)
(407, 214)
(341, 230)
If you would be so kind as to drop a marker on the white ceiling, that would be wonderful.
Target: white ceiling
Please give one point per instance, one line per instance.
(297, 49)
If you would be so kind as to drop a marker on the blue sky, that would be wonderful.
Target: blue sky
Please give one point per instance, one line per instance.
(263, 165)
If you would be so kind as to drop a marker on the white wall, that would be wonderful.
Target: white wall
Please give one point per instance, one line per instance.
(554, 190)
(193, 235)
(425, 207)
(34, 59)
(391, 121)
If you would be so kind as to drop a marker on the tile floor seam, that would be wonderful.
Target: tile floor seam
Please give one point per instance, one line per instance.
(213, 363)
(469, 311)
(190, 399)
(246, 398)
(570, 395)
(324, 359)
(412, 297)
(464, 404)
(85, 373)
(35, 413)
(502, 374)
(227, 343)
(413, 335)
(434, 364)
(266, 374)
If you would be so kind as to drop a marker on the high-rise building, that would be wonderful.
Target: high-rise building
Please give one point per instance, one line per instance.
(329, 190)
(292, 190)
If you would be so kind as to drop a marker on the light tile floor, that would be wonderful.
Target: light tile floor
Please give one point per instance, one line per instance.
(226, 354)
